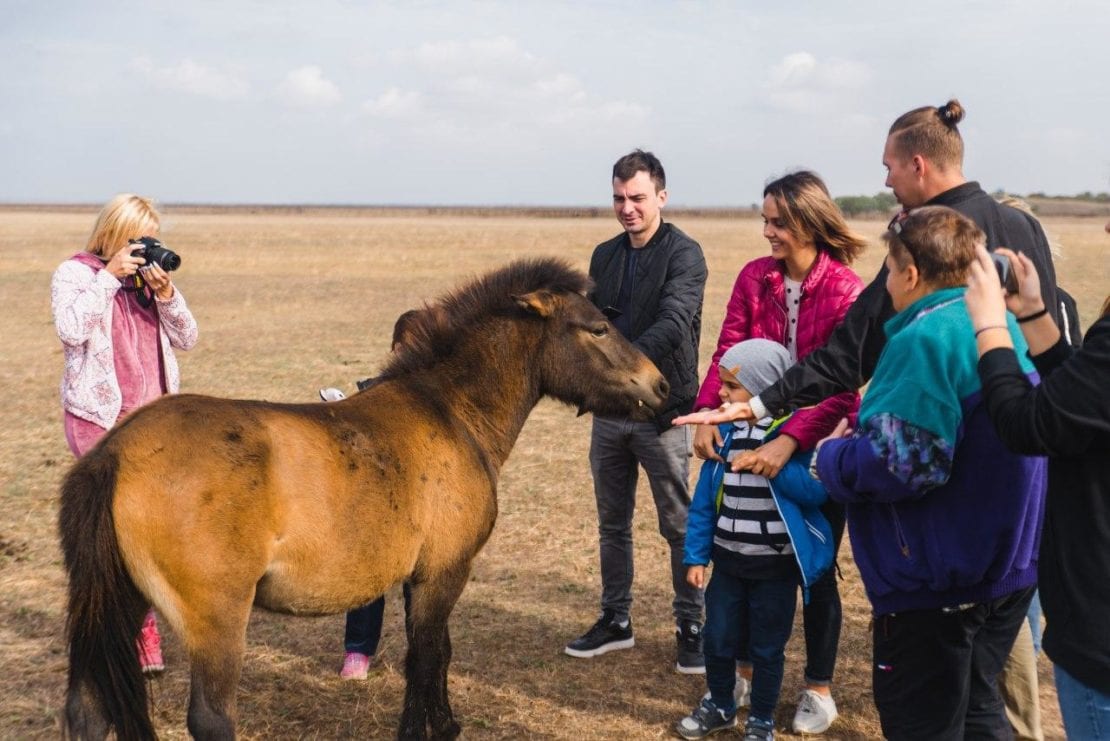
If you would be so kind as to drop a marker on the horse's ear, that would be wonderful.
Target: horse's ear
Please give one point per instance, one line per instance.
(538, 302)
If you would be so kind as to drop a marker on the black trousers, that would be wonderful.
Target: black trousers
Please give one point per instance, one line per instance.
(935, 673)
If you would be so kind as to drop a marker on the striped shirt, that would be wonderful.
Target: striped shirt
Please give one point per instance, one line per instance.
(750, 538)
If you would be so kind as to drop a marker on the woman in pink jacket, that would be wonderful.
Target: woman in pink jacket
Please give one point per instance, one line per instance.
(119, 320)
(796, 296)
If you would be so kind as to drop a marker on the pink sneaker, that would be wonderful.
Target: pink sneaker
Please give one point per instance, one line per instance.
(355, 666)
(149, 645)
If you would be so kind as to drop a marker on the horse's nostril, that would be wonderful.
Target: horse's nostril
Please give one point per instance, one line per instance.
(663, 388)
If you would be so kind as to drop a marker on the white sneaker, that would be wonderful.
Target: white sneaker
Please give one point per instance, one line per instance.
(332, 394)
(815, 714)
(741, 693)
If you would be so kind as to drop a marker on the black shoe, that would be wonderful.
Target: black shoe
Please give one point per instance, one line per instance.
(691, 660)
(605, 636)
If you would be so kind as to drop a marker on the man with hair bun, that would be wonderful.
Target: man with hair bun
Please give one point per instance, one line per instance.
(923, 156)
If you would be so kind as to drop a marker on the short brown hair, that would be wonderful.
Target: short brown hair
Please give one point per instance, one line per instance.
(640, 161)
(938, 240)
(809, 212)
(930, 132)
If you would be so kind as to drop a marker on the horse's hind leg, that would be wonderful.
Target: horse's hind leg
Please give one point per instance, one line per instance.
(429, 654)
(216, 644)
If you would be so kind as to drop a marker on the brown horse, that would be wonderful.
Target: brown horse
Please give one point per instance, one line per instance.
(204, 506)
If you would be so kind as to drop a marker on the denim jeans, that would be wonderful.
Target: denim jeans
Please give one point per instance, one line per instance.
(618, 447)
(762, 610)
(1086, 711)
(364, 628)
(364, 625)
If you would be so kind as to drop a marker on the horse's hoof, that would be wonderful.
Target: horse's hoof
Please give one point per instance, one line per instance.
(448, 732)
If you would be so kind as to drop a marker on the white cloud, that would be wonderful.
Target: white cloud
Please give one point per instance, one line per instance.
(482, 88)
(394, 103)
(800, 83)
(195, 78)
(308, 88)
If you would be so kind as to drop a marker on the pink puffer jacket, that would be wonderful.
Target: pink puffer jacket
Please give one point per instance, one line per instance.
(757, 308)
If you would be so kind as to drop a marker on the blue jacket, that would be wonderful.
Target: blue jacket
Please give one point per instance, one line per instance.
(798, 497)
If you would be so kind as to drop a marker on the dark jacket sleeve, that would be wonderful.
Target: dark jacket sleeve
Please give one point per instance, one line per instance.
(844, 363)
(1059, 417)
(679, 304)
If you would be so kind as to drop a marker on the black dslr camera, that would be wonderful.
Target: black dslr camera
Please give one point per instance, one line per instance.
(155, 253)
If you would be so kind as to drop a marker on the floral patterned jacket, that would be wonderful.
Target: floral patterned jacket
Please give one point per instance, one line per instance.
(82, 297)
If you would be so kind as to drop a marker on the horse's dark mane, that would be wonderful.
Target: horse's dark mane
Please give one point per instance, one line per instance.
(436, 329)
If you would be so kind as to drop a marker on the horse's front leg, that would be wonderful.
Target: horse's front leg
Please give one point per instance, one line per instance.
(429, 654)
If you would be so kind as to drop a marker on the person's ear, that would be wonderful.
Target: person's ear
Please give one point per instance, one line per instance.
(662, 196)
(913, 278)
(920, 165)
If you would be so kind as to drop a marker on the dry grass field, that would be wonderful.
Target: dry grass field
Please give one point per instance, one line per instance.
(291, 301)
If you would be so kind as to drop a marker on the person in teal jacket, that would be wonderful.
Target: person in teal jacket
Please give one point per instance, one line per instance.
(764, 537)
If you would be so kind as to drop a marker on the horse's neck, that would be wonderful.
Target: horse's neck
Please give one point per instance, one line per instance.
(493, 410)
(495, 395)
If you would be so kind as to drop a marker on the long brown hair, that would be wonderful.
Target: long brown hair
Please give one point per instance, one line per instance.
(809, 212)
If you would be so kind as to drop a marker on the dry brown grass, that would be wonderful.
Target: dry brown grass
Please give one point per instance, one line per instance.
(289, 302)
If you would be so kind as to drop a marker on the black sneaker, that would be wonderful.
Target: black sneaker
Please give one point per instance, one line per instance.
(707, 718)
(605, 635)
(691, 660)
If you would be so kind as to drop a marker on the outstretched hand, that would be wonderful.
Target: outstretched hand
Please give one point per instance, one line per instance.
(732, 412)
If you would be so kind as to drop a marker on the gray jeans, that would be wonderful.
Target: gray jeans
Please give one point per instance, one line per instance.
(617, 448)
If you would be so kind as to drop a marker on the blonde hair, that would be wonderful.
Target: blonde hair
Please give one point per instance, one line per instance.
(809, 212)
(125, 217)
(930, 132)
(939, 240)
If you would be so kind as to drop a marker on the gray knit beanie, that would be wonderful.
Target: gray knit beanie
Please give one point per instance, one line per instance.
(761, 363)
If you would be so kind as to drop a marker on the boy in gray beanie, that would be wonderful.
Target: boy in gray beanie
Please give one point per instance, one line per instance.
(764, 537)
(756, 364)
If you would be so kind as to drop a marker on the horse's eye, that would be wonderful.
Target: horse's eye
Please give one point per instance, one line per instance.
(600, 330)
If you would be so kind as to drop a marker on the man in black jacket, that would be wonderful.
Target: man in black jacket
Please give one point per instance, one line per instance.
(649, 281)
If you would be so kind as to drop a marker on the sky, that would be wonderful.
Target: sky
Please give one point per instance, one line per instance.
(530, 103)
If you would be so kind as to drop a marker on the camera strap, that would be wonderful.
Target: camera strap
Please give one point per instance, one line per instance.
(143, 294)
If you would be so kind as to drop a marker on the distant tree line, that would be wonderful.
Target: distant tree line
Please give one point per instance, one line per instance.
(1084, 196)
(880, 203)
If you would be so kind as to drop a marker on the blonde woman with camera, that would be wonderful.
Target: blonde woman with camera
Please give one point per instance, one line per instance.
(119, 320)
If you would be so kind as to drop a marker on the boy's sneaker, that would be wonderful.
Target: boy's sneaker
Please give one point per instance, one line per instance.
(707, 718)
(332, 394)
(741, 693)
(759, 730)
(816, 712)
(690, 660)
(606, 635)
(150, 648)
(355, 666)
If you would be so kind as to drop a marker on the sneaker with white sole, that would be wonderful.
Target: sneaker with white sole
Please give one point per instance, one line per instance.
(604, 636)
(816, 712)
(741, 693)
(332, 394)
(355, 666)
(690, 659)
(706, 719)
(759, 730)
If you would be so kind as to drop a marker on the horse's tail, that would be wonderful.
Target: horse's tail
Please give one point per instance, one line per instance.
(105, 609)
